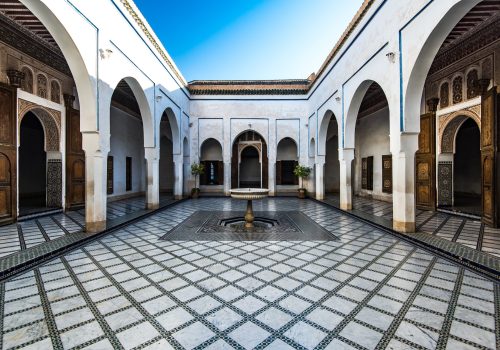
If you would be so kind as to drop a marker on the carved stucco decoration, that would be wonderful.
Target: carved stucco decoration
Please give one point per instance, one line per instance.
(444, 95)
(28, 80)
(41, 86)
(50, 119)
(458, 90)
(472, 84)
(256, 145)
(450, 123)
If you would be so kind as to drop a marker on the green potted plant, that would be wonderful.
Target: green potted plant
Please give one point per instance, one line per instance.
(197, 169)
(302, 172)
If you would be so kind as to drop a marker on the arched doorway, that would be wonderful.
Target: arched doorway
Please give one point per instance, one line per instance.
(166, 170)
(287, 159)
(32, 166)
(467, 169)
(459, 166)
(249, 161)
(332, 165)
(126, 176)
(211, 157)
(372, 157)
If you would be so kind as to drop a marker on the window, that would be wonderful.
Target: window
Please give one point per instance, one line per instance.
(128, 174)
(214, 173)
(109, 184)
(367, 173)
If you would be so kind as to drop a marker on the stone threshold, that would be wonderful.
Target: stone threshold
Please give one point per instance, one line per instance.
(23, 260)
(483, 263)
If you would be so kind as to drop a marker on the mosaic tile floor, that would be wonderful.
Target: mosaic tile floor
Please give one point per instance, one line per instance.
(30, 233)
(130, 290)
(468, 232)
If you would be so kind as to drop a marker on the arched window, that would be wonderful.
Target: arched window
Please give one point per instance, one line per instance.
(28, 80)
(55, 92)
(41, 85)
(458, 83)
(444, 95)
(472, 88)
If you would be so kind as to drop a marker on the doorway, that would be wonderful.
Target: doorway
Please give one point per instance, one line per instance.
(32, 166)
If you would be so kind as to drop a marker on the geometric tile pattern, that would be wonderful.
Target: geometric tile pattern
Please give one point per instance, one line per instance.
(464, 231)
(30, 233)
(208, 226)
(367, 290)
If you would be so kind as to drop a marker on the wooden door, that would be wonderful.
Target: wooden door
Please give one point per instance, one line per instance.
(387, 173)
(489, 157)
(8, 149)
(75, 157)
(425, 164)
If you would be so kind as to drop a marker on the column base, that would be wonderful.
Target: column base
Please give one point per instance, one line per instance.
(152, 206)
(346, 206)
(403, 227)
(177, 196)
(94, 227)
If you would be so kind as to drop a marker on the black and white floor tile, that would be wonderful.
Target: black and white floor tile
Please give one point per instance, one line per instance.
(465, 231)
(30, 233)
(131, 290)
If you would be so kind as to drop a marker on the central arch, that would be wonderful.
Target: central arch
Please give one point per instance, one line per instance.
(243, 173)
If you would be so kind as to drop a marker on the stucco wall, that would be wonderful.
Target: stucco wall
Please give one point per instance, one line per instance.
(372, 139)
(127, 141)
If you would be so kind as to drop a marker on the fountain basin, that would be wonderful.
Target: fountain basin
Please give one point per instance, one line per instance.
(249, 194)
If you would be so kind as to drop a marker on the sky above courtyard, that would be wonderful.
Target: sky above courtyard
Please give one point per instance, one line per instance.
(248, 39)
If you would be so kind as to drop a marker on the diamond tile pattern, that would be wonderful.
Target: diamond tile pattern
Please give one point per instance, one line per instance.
(368, 290)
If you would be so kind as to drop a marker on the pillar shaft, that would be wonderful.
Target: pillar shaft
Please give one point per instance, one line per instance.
(178, 176)
(153, 178)
(95, 182)
(320, 177)
(346, 157)
(404, 184)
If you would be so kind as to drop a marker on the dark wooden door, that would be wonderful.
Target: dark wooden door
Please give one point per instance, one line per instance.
(8, 130)
(425, 164)
(489, 157)
(75, 158)
(387, 173)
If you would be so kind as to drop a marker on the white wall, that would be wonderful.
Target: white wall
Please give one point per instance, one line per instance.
(372, 139)
(127, 141)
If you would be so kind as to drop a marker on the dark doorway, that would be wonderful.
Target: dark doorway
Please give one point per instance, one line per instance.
(250, 168)
(32, 166)
(467, 169)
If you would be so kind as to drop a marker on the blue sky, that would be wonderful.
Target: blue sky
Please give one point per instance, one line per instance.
(248, 39)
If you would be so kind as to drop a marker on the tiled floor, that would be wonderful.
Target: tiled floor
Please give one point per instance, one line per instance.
(468, 232)
(29, 233)
(369, 290)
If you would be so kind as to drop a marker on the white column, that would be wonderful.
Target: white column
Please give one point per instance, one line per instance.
(227, 178)
(403, 172)
(178, 175)
(271, 174)
(95, 181)
(320, 177)
(153, 177)
(346, 157)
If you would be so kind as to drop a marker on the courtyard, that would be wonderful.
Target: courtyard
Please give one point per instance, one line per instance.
(361, 288)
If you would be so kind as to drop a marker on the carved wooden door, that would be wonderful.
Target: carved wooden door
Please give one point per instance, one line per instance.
(75, 159)
(489, 157)
(425, 164)
(8, 130)
(387, 173)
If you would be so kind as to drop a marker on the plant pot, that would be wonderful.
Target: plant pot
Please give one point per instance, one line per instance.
(302, 193)
(195, 193)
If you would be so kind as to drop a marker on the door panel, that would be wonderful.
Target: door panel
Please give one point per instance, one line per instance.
(8, 149)
(75, 158)
(425, 164)
(489, 157)
(387, 173)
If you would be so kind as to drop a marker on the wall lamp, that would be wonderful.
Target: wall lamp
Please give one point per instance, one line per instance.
(105, 53)
(391, 56)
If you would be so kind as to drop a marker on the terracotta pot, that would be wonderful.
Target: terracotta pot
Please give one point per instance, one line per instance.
(302, 193)
(195, 193)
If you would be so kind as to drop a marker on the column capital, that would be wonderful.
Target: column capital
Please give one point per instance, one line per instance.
(15, 77)
(432, 103)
